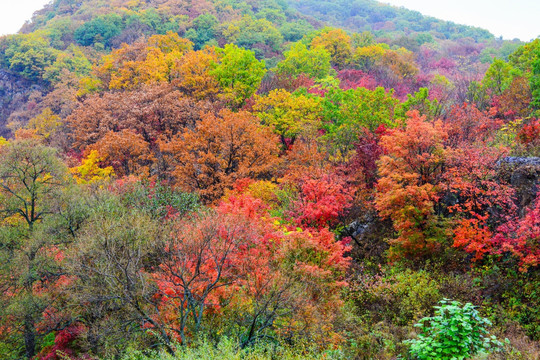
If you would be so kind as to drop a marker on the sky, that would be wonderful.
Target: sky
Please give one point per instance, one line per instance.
(507, 18)
(14, 13)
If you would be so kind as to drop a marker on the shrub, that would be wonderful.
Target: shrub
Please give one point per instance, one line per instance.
(455, 332)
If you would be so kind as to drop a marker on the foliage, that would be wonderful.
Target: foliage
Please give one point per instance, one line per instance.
(408, 192)
(219, 150)
(314, 62)
(455, 332)
(239, 73)
(90, 171)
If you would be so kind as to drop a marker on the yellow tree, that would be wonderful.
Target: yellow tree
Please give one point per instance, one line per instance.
(90, 170)
(288, 114)
(337, 43)
(193, 74)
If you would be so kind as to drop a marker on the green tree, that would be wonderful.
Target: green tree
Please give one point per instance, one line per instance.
(31, 182)
(29, 55)
(498, 77)
(99, 30)
(300, 60)
(239, 73)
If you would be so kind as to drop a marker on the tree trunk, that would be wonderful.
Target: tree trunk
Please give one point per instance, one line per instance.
(29, 336)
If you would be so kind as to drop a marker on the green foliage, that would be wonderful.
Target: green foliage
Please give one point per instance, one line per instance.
(28, 55)
(347, 113)
(73, 60)
(239, 73)
(419, 101)
(498, 77)
(300, 60)
(99, 30)
(455, 332)
(204, 30)
(535, 82)
(260, 35)
(229, 350)
(294, 31)
(158, 200)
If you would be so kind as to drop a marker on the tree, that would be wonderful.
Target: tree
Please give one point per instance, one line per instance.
(31, 180)
(520, 237)
(314, 62)
(29, 55)
(126, 152)
(479, 199)
(257, 34)
(220, 149)
(99, 30)
(90, 170)
(289, 115)
(321, 202)
(45, 124)
(194, 74)
(145, 62)
(498, 77)
(409, 186)
(337, 43)
(205, 261)
(154, 112)
(238, 73)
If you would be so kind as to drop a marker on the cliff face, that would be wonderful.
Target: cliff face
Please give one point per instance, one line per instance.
(524, 175)
(15, 93)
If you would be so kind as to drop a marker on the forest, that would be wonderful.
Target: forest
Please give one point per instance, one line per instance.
(267, 179)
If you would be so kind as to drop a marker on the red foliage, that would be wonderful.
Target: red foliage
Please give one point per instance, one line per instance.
(409, 184)
(321, 202)
(63, 344)
(468, 125)
(521, 238)
(530, 133)
(352, 79)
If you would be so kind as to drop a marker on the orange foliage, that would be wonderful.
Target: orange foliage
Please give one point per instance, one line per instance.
(219, 150)
(126, 152)
(408, 188)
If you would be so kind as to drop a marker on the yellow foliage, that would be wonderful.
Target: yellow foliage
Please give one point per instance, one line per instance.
(90, 171)
(45, 124)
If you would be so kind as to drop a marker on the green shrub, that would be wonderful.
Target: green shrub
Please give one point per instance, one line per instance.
(454, 333)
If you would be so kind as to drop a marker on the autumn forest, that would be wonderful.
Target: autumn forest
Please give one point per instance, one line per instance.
(267, 179)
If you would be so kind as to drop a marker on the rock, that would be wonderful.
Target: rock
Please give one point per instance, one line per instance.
(14, 95)
(523, 173)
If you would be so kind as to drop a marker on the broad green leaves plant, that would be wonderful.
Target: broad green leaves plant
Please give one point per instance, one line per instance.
(455, 332)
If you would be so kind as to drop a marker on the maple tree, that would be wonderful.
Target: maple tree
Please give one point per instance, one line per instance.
(409, 185)
(520, 237)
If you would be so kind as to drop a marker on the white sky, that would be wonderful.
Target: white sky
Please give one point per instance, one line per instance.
(509, 18)
(13, 13)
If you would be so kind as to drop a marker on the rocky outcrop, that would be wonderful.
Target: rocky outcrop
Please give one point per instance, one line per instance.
(15, 93)
(523, 173)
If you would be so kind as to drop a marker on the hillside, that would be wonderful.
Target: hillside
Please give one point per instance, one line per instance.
(242, 179)
(386, 20)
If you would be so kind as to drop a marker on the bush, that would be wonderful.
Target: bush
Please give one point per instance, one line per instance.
(455, 332)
